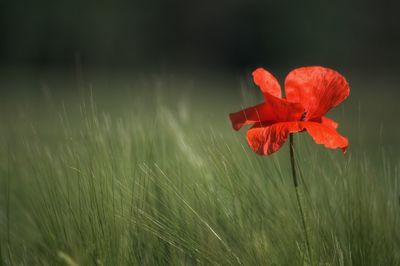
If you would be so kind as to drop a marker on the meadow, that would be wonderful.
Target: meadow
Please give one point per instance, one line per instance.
(113, 170)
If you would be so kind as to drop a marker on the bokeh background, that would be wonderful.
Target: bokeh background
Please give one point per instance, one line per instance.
(206, 47)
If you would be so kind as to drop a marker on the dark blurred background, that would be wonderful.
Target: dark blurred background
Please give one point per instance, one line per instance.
(53, 52)
(176, 34)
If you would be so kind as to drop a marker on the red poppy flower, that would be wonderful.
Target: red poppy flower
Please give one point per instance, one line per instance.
(310, 93)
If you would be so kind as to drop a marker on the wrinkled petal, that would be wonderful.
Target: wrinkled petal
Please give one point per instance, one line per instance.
(326, 121)
(266, 140)
(282, 110)
(273, 110)
(251, 115)
(267, 82)
(326, 135)
(329, 122)
(317, 88)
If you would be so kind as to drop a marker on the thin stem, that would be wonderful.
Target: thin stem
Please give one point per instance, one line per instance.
(296, 185)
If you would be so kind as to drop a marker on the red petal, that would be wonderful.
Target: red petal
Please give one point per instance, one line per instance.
(266, 140)
(274, 110)
(282, 110)
(326, 121)
(267, 82)
(329, 122)
(326, 135)
(254, 114)
(317, 88)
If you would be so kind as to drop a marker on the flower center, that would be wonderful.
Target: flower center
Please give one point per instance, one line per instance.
(303, 116)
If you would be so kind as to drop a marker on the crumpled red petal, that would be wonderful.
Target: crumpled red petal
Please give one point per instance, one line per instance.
(329, 122)
(326, 135)
(317, 88)
(267, 82)
(254, 114)
(273, 110)
(266, 140)
(326, 121)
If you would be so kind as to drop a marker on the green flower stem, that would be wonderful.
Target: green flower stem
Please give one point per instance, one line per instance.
(296, 185)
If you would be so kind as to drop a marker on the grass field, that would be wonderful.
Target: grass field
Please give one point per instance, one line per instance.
(149, 172)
